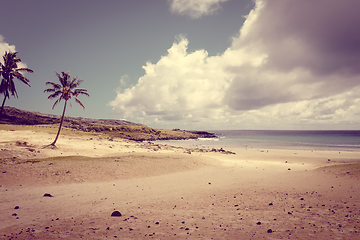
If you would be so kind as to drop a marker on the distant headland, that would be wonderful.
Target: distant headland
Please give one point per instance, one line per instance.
(111, 127)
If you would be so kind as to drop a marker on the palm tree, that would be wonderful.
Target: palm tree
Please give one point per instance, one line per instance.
(9, 70)
(65, 91)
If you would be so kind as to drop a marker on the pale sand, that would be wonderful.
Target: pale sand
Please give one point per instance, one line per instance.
(168, 194)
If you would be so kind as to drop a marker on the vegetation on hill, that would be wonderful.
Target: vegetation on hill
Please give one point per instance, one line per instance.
(113, 128)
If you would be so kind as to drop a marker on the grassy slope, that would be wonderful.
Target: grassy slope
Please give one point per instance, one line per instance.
(113, 128)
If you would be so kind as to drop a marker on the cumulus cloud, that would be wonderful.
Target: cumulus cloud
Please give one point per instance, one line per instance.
(4, 46)
(293, 60)
(304, 51)
(195, 8)
(180, 85)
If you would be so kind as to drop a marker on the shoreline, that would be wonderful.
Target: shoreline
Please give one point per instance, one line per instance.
(166, 193)
(199, 143)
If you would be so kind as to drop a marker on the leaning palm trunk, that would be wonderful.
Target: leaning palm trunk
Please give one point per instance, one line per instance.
(65, 91)
(2, 106)
(6, 95)
(61, 122)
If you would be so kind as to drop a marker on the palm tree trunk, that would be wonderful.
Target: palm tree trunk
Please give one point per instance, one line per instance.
(6, 95)
(61, 122)
(2, 106)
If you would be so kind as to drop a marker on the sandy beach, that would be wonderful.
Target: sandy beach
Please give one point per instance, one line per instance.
(166, 193)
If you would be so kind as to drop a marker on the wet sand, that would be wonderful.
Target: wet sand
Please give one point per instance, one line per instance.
(166, 193)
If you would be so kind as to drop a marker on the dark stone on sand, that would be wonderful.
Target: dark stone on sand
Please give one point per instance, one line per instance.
(270, 204)
(289, 168)
(301, 198)
(157, 223)
(116, 214)
(16, 207)
(47, 195)
(269, 231)
(14, 214)
(258, 223)
(289, 213)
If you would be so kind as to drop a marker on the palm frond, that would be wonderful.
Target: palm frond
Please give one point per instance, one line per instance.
(25, 70)
(13, 91)
(22, 78)
(73, 83)
(54, 95)
(58, 75)
(3, 86)
(65, 78)
(10, 59)
(78, 101)
(11, 88)
(49, 90)
(78, 92)
(56, 102)
(55, 85)
(61, 79)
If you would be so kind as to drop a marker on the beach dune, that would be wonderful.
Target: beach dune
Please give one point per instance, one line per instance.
(165, 193)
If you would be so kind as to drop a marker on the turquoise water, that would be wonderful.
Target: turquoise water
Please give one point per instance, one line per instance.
(323, 140)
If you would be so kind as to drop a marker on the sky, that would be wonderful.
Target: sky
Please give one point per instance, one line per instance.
(193, 64)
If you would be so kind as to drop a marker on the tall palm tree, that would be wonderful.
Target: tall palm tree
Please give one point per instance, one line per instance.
(65, 91)
(8, 71)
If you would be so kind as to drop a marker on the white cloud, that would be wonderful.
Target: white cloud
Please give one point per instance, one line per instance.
(179, 86)
(293, 62)
(195, 8)
(296, 60)
(5, 47)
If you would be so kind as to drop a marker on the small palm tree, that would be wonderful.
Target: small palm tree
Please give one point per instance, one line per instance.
(65, 91)
(8, 71)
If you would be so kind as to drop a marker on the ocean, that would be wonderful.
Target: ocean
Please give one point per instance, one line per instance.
(279, 139)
